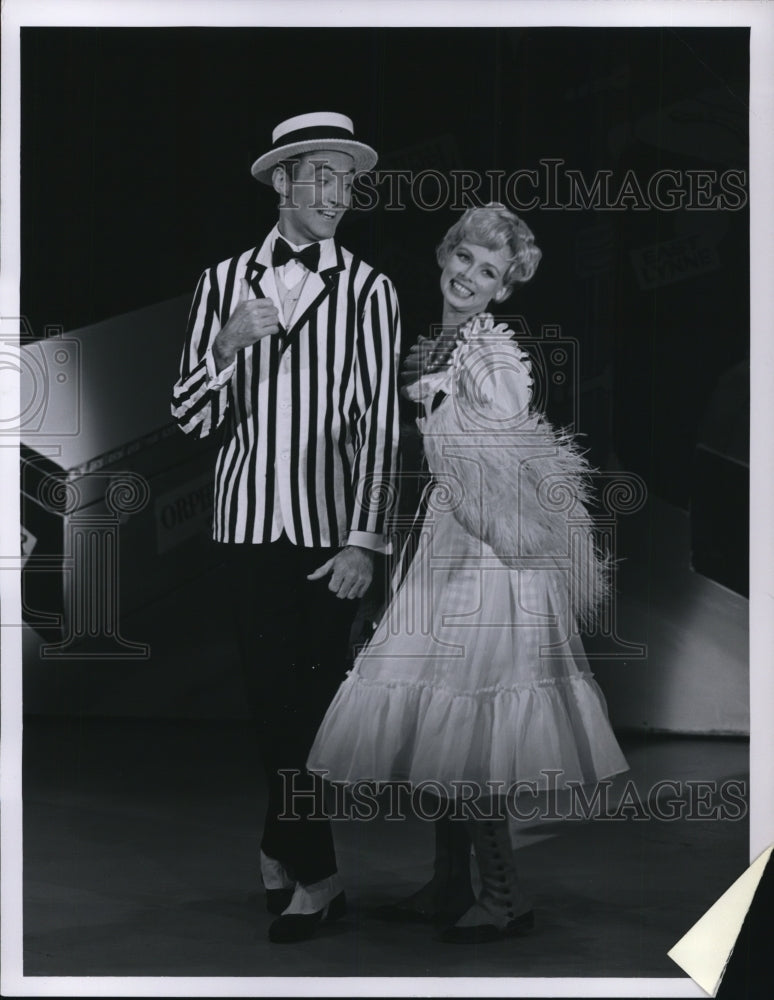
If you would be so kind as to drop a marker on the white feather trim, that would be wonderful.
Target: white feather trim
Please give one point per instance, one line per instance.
(521, 485)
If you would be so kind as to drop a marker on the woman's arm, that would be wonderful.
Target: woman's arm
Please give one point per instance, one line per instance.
(518, 484)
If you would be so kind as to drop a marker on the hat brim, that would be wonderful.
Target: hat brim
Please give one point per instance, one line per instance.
(365, 158)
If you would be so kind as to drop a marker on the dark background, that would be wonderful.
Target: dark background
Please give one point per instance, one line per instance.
(136, 153)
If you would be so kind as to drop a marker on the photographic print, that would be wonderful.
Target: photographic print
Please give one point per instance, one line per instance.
(380, 402)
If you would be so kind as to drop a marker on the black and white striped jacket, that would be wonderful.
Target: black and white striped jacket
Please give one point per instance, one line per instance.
(310, 416)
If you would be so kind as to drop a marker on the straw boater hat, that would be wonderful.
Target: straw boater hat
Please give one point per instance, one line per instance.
(305, 133)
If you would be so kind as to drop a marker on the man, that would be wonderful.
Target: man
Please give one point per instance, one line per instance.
(292, 347)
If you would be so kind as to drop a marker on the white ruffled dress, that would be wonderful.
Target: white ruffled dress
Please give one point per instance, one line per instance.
(476, 672)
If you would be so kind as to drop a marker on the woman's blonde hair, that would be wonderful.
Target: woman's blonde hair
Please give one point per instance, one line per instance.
(497, 228)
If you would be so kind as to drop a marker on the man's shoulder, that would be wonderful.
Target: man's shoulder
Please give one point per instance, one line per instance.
(365, 275)
(238, 260)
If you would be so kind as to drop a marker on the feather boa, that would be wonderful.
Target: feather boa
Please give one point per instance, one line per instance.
(511, 479)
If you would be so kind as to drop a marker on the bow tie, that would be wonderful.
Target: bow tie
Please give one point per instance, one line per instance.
(282, 253)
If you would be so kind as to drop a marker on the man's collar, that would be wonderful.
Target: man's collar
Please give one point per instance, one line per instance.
(296, 246)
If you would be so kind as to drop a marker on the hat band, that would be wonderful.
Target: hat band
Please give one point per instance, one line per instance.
(313, 132)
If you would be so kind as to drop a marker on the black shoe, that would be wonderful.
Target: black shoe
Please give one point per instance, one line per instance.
(278, 900)
(292, 927)
(482, 933)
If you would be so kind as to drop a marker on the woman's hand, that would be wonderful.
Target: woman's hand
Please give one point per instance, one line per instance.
(429, 355)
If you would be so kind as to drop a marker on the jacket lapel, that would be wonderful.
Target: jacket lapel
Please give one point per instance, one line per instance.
(260, 278)
(260, 275)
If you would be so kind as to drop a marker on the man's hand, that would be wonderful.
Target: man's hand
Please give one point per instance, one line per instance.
(351, 571)
(252, 320)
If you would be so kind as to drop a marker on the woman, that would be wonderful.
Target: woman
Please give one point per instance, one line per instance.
(476, 672)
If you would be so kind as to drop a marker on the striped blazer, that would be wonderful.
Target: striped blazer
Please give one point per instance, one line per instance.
(309, 417)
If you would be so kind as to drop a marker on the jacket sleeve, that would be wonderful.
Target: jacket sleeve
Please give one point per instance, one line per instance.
(376, 427)
(200, 395)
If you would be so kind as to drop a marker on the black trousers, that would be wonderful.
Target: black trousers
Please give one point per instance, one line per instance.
(294, 644)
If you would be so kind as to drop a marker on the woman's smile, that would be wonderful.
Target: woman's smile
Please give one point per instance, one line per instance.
(460, 289)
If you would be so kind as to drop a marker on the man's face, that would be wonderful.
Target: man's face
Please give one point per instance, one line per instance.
(315, 192)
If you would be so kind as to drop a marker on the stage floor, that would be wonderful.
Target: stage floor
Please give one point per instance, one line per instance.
(141, 859)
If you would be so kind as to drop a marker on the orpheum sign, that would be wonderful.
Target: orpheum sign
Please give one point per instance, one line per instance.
(184, 512)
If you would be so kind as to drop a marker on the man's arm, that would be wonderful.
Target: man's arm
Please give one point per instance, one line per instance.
(376, 444)
(200, 395)
(377, 426)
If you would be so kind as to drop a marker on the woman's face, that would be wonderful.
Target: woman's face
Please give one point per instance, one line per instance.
(472, 277)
